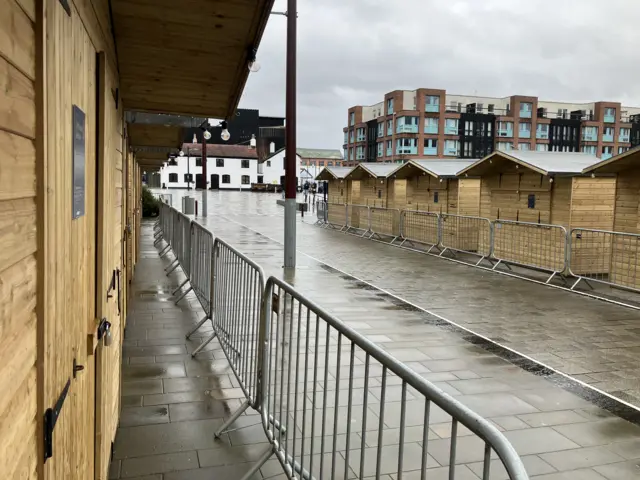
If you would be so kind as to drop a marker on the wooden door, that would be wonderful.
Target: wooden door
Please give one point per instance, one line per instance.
(69, 233)
(108, 269)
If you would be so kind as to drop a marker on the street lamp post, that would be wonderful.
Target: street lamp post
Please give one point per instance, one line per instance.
(290, 151)
(204, 175)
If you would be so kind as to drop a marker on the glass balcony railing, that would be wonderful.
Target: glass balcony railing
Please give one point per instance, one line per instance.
(606, 156)
(525, 113)
(450, 130)
(542, 135)
(451, 151)
(388, 152)
(361, 138)
(360, 156)
(607, 137)
(524, 134)
(432, 129)
(407, 129)
(624, 137)
(431, 150)
(590, 136)
(609, 118)
(505, 132)
(430, 108)
(407, 150)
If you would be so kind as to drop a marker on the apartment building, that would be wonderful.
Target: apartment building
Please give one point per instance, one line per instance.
(428, 122)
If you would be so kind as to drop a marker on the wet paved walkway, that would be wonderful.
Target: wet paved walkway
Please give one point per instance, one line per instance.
(171, 403)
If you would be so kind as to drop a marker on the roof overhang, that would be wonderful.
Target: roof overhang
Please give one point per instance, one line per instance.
(495, 162)
(327, 174)
(189, 57)
(361, 171)
(410, 170)
(625, 161)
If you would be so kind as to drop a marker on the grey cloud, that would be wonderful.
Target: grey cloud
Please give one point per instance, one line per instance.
(351, 52)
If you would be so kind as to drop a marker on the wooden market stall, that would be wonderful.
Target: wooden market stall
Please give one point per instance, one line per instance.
(338, 187)
(623, 261)
(372, 184)
(432, 186)
(520, 188)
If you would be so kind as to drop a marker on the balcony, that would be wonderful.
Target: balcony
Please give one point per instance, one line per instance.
(624, 137)
(609, 118)
(606, 156)
(542, 135)
(380, 133)
(451, 151)
(431, 129)
(407, 150)
(431, 150)
(361, 138)
(590, 136)
(524, 133)
(430, 108)
(389, 152)
(505, 132)
(607, 137)
(525, 113)
(451, 130)
(359, 156)
(407, 129)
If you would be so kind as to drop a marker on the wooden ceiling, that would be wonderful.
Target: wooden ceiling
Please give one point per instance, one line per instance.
(187, 57)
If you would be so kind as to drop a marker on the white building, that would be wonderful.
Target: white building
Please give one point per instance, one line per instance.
(229, 167)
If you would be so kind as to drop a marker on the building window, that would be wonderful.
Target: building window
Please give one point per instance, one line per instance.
(505, 129)
(542, 147)
(432, 104)
(607, 134)
(381, 129)
(219, 162)
(198, 161)
(468, 128)
(431, 125)
(346, 137)
(591, 149)
(607, 152)
(188, 177)
(360, 135)
(390, 106)
(451, 147)
(525, 109)
(246, 180)
(468, 149)
(173, 178)
(244, 164)
(542, 131)
(407, 146)
(268, 163)
(360, 153)
(430, 146)
(622, 150)
(590, 134)
(389, 127)
(610, 115)
(351, 136)
(380, 149)
(389, 152)
(524, 130)
(352, 119)
(350, 154)
(524, 147)
(505, 146)
(407, 125)
(625, 134)
(321, 163)
(226, 179)
(451, 126)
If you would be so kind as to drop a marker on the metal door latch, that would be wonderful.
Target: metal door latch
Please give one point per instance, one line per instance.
(104, 332)
(76, 368)
(51, 417)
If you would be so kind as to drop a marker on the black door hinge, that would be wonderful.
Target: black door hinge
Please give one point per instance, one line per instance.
(50, 418)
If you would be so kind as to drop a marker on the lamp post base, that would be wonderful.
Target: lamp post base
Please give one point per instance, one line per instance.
(290, 205)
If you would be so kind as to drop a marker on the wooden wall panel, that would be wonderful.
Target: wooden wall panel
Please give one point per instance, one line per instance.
(469, 196)
(421, 194)
(561, 201)
(373, 192)
(19, 416)
(593, 202)
(337, 191)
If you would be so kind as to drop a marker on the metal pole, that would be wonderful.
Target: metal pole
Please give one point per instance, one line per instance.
(188, 171)
(290, 152)
(204, 176)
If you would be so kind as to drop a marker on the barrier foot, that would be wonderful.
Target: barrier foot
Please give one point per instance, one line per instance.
(496, 265)
(173, 266)
(223, 428)
(195, 329)
(180, 287)
(576, 283)
(403, 241)
(480, 261)
(263, 459)
(550, 278)
(164, 250)
(183, 295)
(442, 251)
(432, 247)
(203, 344)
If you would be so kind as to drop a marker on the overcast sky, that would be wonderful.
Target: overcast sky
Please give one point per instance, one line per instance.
(351, 52)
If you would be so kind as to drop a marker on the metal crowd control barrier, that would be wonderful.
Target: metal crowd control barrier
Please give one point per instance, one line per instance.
(384, 222)
(603, 256)
(325, 380)
(321, 212)
(358, 218)
(161, 225)
(535, 245)
(465, 234)
(336, 215)
(181, 242)
(200, 258)
(421, 227)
